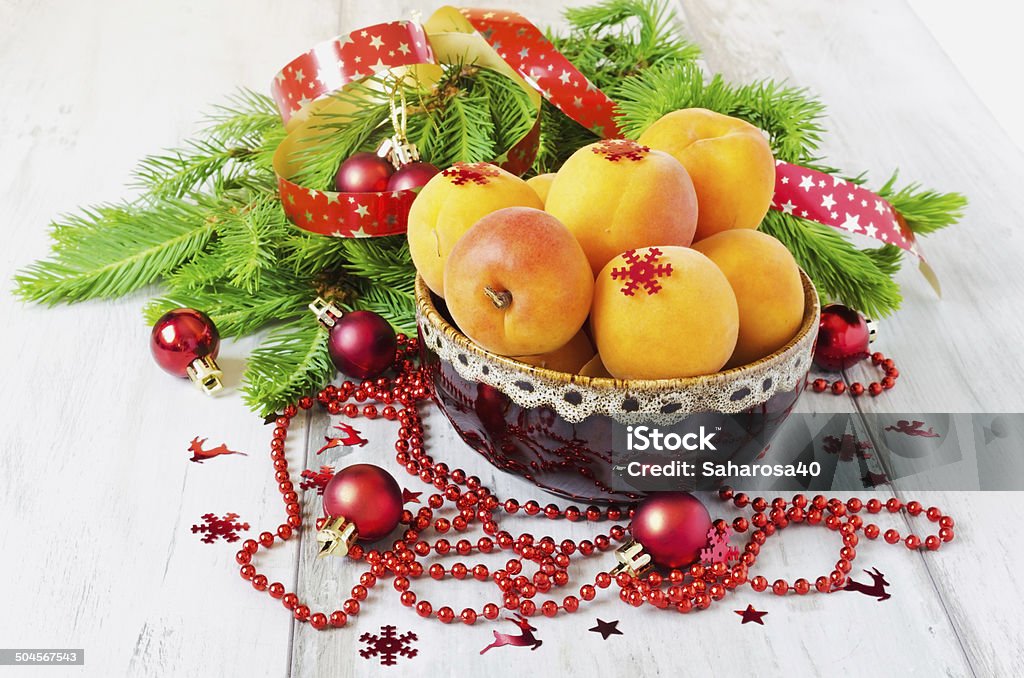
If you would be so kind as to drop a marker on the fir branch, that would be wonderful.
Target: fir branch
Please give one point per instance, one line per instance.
(292, 362)
(245, 114)
(925, 211)
(235, 311)
(396, 304)
(248, 238)
(839, 270)
(616, 39)
(181, 171)
(109, 251)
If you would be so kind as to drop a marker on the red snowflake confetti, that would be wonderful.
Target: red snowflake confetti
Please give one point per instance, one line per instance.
(719, 549)
(642, 272)
(225, 528)
(476, 172)
(615, 150)
(388, 645)
(847, 447)
(317, 479)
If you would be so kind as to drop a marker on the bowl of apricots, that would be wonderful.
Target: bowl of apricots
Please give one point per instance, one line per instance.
(559, 315)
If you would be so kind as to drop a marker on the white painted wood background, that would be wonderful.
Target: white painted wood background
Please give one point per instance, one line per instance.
(97, 496)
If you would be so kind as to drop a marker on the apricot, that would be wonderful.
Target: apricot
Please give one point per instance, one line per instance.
(766, 281)
(662, 313)
(541, 184)
(569, 358)
(729, 161)
(518, 283)
(450, 203)
(616, 195)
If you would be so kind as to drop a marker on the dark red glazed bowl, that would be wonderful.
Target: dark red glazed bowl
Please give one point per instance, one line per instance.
(555, 429)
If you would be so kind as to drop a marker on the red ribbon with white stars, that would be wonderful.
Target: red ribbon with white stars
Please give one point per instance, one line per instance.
(833, 201)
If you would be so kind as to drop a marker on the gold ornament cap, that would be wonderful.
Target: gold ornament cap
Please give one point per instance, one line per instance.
(632, 559)
(205, 374)
(336, 537)
(326, 312)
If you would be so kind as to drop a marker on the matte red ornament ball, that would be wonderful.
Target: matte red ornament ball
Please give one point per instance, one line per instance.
(413, 175)
(366, 495)
(672, 527)
(362, 344)
(843, 338)
(180, 336)
(363, 173)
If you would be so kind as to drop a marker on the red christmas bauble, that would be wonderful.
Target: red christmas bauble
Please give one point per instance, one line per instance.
(413, 175)
(180, 337)
(672, 527)
(843, 338)
(362, 344)
(363, 173)
(368, 497)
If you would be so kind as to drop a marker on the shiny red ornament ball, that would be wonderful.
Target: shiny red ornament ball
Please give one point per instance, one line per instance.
(672, 527)
(843, 338)
(367, 496)
(413, 175)
(181, 336)
(363, 173)
(362, 344)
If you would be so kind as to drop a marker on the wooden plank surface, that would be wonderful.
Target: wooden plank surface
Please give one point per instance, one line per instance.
(98, 496)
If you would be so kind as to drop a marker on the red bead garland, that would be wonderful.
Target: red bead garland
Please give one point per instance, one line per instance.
(874, 389)
(697, 587)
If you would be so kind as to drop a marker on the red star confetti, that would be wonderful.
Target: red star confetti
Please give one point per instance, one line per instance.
(642, 273)
(615, 150)
(316, 479)
(225, 528)
(388, 645)
(606, 629)
(462, 173)
(751, 615)
(413, 497)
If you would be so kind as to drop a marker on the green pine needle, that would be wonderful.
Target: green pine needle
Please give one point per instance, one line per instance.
(291, 363)
(110, 251)
(925, 211)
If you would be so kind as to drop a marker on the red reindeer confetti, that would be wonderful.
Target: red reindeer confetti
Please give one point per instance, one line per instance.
(615, 150)
(388, 645)
(316, 479)
(225, 528)
(462, 173)
(351, 437)
(199, 455)
(642, 273)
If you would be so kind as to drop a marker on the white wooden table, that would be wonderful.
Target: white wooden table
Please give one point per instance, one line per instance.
(98, 497)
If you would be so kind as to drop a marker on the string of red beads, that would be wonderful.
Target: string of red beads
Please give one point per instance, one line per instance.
(701, 585)
(874, 389)
(475, 503)
(697, 587)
